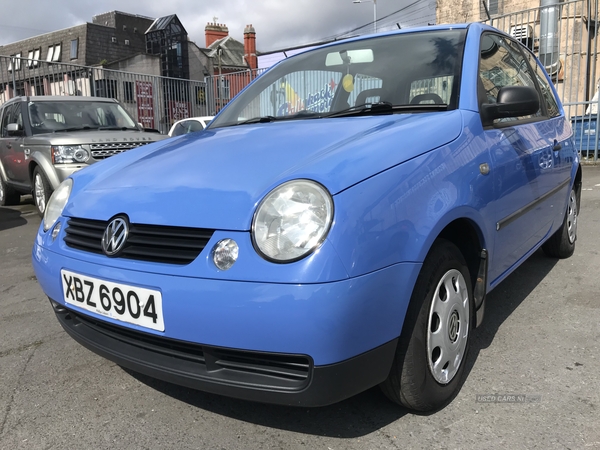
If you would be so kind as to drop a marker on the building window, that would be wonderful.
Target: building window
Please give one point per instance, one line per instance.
(33, 57)
(56, 56)
(15, 62)
(74, 48)
(128, 91)
(126, 41)
(53, 53)
(223, 88)
(114, 40)
(494, 8)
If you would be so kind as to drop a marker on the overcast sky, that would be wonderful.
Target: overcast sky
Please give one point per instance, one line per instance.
(278, 23)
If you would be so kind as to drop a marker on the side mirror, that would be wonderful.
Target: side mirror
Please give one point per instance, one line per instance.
(14, 129)
(512, 101)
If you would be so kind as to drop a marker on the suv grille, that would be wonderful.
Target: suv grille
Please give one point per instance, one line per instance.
(102, 151)
(153, 243)
(288, 372)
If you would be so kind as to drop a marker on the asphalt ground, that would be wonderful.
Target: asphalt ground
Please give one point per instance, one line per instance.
(532, 374)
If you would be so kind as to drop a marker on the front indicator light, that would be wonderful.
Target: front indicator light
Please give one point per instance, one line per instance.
(225, 254)
(55, 231)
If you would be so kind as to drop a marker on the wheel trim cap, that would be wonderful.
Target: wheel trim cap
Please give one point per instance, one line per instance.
(448, 326)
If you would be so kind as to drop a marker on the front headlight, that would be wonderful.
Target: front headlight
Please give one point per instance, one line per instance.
(292, 220)
(63, 154)
(57, 203)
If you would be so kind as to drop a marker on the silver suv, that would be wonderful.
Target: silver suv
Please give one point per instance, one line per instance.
(45, 139)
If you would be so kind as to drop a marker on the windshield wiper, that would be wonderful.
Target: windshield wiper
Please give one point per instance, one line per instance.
(76, 129)
(385, 108)
(117, 128)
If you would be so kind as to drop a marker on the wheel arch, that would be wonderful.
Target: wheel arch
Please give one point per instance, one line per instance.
(466, 235)
(46, 167)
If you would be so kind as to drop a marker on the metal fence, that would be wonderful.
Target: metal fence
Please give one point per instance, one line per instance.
(563, 37)
(154, 101)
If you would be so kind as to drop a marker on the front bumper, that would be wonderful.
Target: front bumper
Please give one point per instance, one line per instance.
(257, 376)
(299, 344)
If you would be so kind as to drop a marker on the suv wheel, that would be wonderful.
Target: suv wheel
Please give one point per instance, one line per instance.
(8, 196)
(41, 190)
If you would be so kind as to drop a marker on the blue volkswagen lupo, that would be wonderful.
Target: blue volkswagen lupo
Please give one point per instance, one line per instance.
(336, 226)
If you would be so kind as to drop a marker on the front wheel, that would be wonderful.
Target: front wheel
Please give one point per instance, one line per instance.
(562, 243)
(428, 367)
(41, 190)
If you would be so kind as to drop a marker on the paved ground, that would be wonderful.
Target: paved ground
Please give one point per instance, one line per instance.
(540, 341)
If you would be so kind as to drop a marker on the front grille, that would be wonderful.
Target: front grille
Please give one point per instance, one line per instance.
(153, 243)
(104, 150)
(256, 369)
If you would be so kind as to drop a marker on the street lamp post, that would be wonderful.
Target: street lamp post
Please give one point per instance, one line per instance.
(374, 11)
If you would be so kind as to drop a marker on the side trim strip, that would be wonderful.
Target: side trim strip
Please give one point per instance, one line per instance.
(514, 216)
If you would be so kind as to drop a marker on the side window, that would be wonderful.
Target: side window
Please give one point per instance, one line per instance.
(4, 121)
(547, 94)
(502, 64)
(8, 116)
(194, 125)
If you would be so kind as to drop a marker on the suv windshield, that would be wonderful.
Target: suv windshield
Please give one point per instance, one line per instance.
(409, 70)
(56, 116)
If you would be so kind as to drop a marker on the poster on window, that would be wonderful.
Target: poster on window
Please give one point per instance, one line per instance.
(179, 110)
(145, 103)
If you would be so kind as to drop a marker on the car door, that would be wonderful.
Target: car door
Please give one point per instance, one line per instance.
(11, 145)
(522, 157)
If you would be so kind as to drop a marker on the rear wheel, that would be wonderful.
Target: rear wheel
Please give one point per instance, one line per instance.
(562, 243)
(41, 190)
(8, 196)
(429, 364)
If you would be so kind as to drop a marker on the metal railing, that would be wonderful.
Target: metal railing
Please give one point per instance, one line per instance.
(154, 101)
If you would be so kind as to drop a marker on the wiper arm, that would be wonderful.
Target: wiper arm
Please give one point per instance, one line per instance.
(385, 108)
(263, 119)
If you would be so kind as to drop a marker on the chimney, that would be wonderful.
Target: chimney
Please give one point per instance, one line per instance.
(250, 47)
(215, 31)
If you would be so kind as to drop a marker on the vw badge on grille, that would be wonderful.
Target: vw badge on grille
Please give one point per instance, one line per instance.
(115, 236)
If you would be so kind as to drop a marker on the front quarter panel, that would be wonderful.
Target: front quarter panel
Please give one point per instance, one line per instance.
(395, 216)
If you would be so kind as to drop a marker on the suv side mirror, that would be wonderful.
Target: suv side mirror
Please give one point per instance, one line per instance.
(14, 129)
(512, 101)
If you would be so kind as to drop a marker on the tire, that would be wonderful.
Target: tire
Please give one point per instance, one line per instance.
(40, 190)
(562, 243)
(429, 365)
(8, 196)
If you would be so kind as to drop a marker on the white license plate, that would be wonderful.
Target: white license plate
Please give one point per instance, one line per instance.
(131, 304)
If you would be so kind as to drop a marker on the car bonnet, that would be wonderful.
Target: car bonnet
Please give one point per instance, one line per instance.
(216, 178)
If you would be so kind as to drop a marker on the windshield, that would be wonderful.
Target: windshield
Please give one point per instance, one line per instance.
(418, 68)
(56, 116)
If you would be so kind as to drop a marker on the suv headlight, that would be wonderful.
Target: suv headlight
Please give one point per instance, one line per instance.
(292, 220)
(63, 154)
(57, 203)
